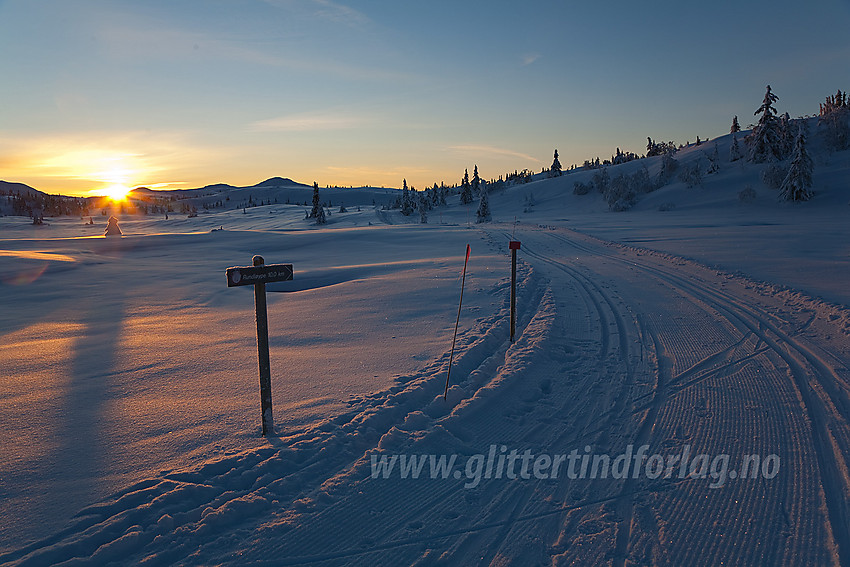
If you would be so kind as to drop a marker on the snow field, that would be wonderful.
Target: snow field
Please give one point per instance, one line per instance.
(715, 326)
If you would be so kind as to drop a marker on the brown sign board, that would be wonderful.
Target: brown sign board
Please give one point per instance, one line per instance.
(250, 275)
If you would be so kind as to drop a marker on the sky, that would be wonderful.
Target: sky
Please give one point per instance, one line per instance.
(179, 94)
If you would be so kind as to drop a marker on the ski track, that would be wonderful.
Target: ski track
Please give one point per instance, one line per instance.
(599, 361)
(822, 391)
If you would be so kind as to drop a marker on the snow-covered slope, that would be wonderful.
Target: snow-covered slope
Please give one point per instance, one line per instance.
(129, 411)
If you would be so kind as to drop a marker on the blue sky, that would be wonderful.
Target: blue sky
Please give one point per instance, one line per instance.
(185, 93)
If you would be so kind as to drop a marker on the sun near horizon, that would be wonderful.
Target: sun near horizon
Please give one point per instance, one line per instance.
(116, 178)
(117, 192)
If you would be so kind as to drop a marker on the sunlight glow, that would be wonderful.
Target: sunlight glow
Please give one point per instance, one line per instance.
(117, 176)
(117, 192)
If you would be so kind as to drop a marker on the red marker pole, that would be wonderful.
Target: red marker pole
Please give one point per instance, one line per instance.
(460, 303)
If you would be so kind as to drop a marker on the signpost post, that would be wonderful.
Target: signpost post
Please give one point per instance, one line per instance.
(514, 246)
(259, 275)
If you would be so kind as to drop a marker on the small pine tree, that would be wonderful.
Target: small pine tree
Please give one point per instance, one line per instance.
(735, 126)
(423, 209)
(556, 166)
(476, 182)
(797, 185)
(465, 191)
(483, 212)
(713, 160)
(669, 165)
(735, 150)
(787, 133)
(314, 213)
(407, 205)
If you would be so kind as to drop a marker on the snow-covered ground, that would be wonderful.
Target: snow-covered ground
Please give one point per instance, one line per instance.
(129, 405)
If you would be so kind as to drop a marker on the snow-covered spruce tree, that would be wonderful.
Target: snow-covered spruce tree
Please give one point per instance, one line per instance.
(747, 195)
(713, 160)
(766, 142)
(465, 190)
(601, 180)
(555, 170)
(659, 148)
(691, 175)
(483, 213)
(317, 205)
(669, 165)
(476, 182)
(435, 196)
(788, 131)
(423, 209)
(640, 181)
(735, 126)
(407, 206)
(620, 194)
(582, 188)
(318, 211)
(835, 119)
(735, 151)
(798, 183)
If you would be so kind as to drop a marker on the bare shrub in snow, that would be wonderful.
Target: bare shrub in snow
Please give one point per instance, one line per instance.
(774, 175)
(640, 181)
(669, 165)
(713, 160)
(582, 188)
(747, 195)
(601, 180)
(735, 151)
(691, 175)
(620, 195)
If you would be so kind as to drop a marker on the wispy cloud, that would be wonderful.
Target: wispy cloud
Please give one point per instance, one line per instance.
(310, 121)
(145, 39)
(341, 13)
(530, 58)
(325, 9)
(491, 151)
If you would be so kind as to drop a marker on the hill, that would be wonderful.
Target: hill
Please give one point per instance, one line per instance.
(11, 188)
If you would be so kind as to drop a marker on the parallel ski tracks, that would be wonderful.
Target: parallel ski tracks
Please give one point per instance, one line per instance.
(823, 392)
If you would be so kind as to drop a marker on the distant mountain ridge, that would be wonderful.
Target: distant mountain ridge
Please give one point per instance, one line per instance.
(280, 182)
(10, 187)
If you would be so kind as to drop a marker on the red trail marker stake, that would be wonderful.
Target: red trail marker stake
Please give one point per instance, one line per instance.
(460, 303)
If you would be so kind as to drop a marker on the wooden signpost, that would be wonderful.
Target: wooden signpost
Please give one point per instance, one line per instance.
(514, 246)
(259, 275)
